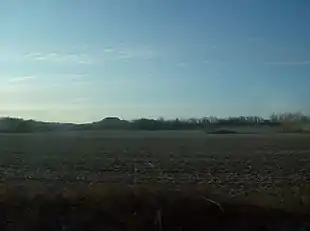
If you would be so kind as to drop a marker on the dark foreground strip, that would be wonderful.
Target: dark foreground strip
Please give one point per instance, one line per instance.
(139, 210)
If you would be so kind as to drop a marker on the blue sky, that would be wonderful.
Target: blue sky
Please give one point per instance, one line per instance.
(81, 60)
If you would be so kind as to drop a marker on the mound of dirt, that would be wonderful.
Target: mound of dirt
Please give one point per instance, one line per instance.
(223, 131)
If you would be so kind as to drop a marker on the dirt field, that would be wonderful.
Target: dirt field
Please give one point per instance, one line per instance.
(270, 171)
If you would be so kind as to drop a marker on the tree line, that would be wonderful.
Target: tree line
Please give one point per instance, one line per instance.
(289, 121)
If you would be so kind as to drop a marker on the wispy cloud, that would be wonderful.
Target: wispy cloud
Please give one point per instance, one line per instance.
(21, 79)
(290, 63)
(80, 79)
(107, 53)
(137, 53)
(130, 53)
(108, 50)
(60, 57)
(182, 64)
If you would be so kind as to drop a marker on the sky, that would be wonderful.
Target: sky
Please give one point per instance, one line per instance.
(82, 60)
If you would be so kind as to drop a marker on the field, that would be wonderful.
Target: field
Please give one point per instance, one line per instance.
(269, 171)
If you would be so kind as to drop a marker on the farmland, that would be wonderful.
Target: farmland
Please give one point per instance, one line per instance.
(272, 171)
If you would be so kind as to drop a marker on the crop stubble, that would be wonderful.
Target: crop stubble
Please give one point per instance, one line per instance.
(272, 170)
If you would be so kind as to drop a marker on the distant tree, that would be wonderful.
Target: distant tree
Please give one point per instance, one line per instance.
(23, 127)
(288, 121)
(291, 121)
